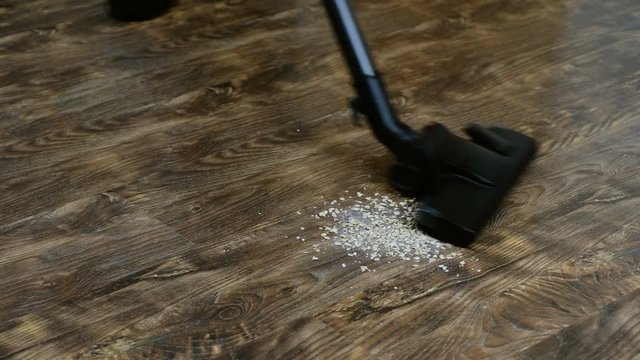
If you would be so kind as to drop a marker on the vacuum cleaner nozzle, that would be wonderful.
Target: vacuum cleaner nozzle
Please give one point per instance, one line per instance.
(460, 182)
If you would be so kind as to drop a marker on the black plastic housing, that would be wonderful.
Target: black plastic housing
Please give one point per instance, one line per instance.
(466, 179)
(138, 10)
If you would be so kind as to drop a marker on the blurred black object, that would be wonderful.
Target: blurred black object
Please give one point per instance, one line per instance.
(138, 10)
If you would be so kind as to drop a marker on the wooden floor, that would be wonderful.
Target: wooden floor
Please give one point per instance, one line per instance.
(151, 176)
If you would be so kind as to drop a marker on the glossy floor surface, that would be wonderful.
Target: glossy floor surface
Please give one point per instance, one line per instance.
(154, 177)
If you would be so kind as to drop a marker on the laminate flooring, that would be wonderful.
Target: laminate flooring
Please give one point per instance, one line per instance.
(157, 180)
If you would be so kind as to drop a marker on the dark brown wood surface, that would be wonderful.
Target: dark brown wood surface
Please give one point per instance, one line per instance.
(149, 173)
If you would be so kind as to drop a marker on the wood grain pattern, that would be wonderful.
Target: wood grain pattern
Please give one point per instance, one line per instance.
(149, 173)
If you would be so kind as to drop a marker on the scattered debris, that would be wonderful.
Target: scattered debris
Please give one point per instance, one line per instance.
(383, 227)
(378, 228)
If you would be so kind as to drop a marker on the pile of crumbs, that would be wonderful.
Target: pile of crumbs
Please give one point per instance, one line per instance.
(379, 228)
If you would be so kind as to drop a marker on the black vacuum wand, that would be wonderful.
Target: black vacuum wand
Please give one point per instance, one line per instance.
(460, 182)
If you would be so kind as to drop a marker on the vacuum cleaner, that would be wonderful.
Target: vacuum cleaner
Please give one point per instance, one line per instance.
(459, 182)
(138, 10)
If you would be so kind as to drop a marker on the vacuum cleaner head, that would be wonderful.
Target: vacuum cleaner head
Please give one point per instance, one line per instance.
(460, 182)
